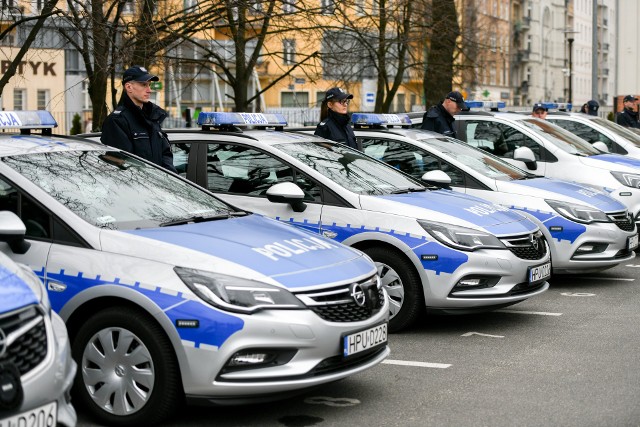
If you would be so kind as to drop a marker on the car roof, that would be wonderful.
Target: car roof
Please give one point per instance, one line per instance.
(20, 144)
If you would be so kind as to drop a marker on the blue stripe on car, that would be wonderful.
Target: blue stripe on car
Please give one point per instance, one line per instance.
(570, 230)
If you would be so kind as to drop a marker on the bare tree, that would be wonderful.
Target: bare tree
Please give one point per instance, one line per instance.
(48, 9)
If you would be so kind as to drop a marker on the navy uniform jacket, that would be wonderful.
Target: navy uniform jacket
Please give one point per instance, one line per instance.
(437, 119)
(336, 128)
(628, 118)
(138, 131)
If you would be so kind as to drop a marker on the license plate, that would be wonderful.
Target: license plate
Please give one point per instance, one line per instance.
(44, 416)
(364, 340)
(539, 273)
(632, 242)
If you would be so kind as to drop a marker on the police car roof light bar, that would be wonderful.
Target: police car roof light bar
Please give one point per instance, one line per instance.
(231, 121)
(490, 105)
(380, 120)
(560, 106)
(26, 121)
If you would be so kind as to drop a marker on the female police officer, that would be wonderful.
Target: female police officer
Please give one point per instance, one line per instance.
(334, 124)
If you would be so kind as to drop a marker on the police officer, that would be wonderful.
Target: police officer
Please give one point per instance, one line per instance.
(539, 111)
(439, 118)
(592, 107)
(334, 119)
(134, 126)
(628, 117)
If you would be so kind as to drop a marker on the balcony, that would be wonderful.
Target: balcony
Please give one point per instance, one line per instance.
(523, 55)
(604, 71)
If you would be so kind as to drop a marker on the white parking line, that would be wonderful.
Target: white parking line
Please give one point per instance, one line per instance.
(539, 313)
(621, 279)
(418, 364)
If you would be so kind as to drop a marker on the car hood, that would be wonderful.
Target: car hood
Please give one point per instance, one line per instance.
(14, 292)
(290, 256)
(614, 162)
(453, 208)
(563, 191)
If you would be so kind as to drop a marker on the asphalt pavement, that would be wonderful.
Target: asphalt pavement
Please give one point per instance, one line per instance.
(569, 357)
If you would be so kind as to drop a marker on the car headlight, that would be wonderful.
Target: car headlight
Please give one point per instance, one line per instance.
(578, 213)
(628, 179)
(466, 239)
(235, 293)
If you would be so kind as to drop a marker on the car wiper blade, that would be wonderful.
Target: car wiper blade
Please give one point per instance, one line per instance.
(409, 190)
(202, 218)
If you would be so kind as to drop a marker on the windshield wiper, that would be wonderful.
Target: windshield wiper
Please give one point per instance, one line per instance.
(202, 218)
(409, 190)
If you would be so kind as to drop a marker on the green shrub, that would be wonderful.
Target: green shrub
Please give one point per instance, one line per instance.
(76, 125)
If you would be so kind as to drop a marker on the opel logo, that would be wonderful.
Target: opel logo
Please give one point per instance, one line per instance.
(534, 241)
(358, 295)
(3, 343)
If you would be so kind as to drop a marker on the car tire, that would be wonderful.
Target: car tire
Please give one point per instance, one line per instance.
(128, 354)
(403, 285)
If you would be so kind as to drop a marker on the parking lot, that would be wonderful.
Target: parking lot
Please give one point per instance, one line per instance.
(569, 357)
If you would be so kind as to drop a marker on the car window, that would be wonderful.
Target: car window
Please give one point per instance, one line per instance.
(243, 170)
(622, 131)
(559, 137)
(585, 132)
(498, 138)
(181, 157)
(409, 158)
(349, 168)
(36, 220)
(113, 190)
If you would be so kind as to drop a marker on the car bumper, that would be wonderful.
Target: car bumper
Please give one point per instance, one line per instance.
(53, 378)
(318, 357)
(509, 272)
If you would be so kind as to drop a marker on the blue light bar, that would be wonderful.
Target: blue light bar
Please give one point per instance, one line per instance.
(368, 119)
(217, 119)
(486, 104)
(565, 106)
(39, 119)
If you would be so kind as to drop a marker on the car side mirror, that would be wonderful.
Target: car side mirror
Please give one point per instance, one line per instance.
(287, 192)
(524, 154)
(437, 178)
(601, 146)
(12, 231)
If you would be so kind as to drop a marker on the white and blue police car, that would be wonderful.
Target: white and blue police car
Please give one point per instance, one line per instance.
(586, 229)
(168, 292)
(437, 249)
(544, 149)
(36, 368)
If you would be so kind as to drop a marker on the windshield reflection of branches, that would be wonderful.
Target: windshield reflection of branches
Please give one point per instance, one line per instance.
(109, 195)
(349, 168)
(561, 138)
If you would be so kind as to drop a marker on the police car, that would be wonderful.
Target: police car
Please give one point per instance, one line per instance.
(587, 230)
(169, 292)
(446, 251)
(544, 149)
(598, 131)
(36, 368)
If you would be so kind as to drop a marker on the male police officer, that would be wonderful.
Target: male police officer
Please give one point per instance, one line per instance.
(628, 117)
(134, 126)
(439, 118)
(539, 111)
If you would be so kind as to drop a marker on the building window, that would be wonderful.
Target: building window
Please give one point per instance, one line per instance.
(360, 10)
(190, 6)
(129, 6)
(327, 7)
(400, 101)
(86, 104)
(289, 51)
(37, 6)
(19, 99)
(43, 99)
(288, 6)
(294, 99)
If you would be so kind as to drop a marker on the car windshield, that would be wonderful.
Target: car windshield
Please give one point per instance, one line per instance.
(561, 138)
(350, 168)
(476, 159)
(619, 130)
(113, 190)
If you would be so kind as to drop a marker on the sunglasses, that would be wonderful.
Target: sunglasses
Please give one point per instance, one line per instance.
(345, 101)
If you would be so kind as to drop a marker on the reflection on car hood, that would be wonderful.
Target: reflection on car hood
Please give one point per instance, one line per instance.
(613, 162)
(494, 218)
(14, 292)
(552, 188)
(290, 256)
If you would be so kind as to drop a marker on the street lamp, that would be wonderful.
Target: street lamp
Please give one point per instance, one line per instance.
(570, 40)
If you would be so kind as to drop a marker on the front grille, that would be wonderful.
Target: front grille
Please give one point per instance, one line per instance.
(26, 332)
(623, 220)
(530, 246)
(338, 305)
(525, 288)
